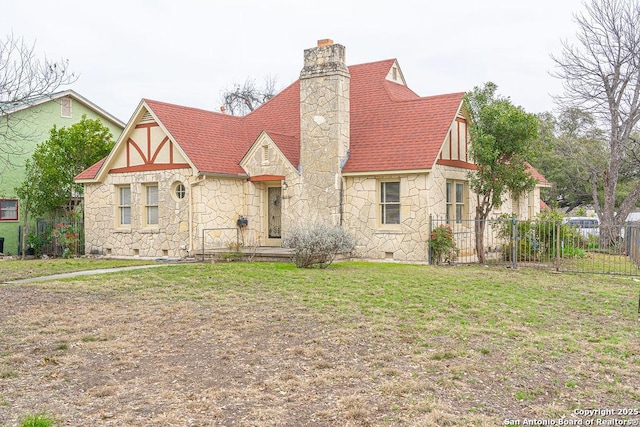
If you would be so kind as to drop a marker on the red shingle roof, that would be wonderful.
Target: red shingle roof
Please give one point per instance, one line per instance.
(91, 171)
(392, 128)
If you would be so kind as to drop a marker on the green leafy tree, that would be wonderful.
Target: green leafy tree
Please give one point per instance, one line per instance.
(569, 151)
(49, 187)
(502, 138)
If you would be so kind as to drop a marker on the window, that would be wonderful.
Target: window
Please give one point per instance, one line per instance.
(180, 190)
(65, 108)
(124, 205)
(456, 208)
(8, 210)
(390, 203)
(151, 206)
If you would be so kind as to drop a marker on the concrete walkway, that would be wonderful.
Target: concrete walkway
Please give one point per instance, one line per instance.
(82, 273)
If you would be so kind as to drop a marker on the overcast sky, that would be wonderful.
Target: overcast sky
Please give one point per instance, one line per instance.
(187, 52)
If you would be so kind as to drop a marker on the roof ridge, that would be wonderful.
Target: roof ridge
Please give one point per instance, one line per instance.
(171, 104)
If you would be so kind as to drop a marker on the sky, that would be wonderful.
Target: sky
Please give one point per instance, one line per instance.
(188, 52)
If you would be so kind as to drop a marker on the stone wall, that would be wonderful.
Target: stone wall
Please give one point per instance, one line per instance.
(405, 241)
(208, 203)
(421, 196)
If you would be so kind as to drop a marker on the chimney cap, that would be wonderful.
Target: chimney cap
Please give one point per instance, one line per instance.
(325, 42)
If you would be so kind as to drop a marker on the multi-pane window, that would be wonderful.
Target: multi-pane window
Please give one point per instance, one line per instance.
(390, 202)
(181, 191)
(151, 204)
(124, 205)
(8, 210)
(455, 201)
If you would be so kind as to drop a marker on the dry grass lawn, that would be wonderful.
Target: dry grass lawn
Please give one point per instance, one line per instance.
(355, 345)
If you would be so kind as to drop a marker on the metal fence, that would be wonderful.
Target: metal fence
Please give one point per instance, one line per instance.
(551, 244)
(56, 237)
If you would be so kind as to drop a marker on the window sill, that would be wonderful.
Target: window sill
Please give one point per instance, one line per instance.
(122, 230)
(388, 231)
(150, 231)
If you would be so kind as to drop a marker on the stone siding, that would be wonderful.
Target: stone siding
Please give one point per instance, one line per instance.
(324, 132)
(215, 203)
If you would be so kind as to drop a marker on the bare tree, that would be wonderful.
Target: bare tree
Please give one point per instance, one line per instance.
(243, 99)
(24, 80)
(601, 74)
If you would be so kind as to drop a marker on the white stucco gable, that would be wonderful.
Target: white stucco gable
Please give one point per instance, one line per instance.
(395, 74)
(266, 158)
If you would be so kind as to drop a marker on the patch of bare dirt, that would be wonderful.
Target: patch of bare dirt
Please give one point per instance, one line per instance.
(110, 359)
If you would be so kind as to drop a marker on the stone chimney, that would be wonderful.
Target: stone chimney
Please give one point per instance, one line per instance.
(324, 130)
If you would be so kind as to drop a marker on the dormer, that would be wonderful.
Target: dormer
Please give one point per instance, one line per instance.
(395, 74)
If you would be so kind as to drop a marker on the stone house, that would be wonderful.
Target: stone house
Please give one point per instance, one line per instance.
(348, 145)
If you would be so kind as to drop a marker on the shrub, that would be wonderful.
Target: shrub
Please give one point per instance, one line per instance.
(538, 239)
(318, 244)
(39, 242)
(442, 244)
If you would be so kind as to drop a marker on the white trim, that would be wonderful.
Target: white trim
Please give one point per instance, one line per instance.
(391, 172)
(71, 94)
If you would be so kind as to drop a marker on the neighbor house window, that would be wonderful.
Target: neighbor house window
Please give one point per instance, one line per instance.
(532, 206)
(65, 108)
(456, 208)
(124, 205)
(151, 204)
(8, 210)
(390, 202)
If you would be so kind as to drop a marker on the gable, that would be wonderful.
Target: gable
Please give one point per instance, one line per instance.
(147, 147)
(266, 158)
(455, 150)
(395, 74)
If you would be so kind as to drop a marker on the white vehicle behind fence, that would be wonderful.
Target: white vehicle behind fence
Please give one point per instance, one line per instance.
(586, 225)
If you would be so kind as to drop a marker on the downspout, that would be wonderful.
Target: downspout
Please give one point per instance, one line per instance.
(341, 201)
(341, 195)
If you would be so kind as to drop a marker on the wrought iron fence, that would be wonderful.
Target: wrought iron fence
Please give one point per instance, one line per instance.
(56, 237)
(552, 244)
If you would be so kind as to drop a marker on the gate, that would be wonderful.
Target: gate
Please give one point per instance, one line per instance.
(551, 243)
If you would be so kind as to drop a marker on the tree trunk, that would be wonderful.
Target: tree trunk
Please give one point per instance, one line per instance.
(25, 230)
(609, 233)
(480, 222)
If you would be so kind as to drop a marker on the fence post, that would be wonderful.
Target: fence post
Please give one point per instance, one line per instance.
(514, 243)
(429, 252)
(558, 238)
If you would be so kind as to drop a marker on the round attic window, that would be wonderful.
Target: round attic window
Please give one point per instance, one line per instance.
(179, 190)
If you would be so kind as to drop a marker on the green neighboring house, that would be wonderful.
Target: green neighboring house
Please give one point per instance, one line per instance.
(30, 126)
